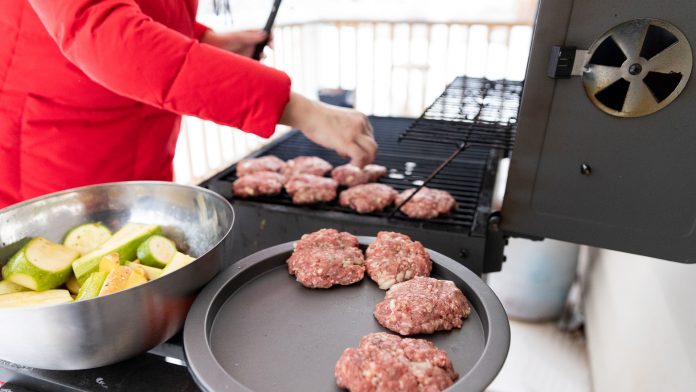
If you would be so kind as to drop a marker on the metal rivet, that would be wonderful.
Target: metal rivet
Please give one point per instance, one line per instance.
(585, 169)
(635, 69)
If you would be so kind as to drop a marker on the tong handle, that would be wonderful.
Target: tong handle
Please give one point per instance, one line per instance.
(269, 26)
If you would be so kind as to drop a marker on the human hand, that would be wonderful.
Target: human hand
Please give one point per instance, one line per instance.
(240, 42)
(346, 131)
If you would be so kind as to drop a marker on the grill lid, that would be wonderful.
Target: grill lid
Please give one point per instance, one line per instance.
(580, 175)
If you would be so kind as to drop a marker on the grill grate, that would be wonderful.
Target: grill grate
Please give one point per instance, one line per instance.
(463, 177)
(473, 112)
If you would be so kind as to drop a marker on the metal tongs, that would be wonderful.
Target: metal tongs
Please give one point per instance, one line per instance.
(269, 26)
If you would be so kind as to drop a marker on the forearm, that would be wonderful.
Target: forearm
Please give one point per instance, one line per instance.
(299, 112)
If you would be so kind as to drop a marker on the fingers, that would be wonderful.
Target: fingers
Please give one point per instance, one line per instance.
(252, 36)
(369, 146)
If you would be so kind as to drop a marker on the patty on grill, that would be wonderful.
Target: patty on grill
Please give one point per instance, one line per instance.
(310, 189)
(368, 198)
(263, 183)
(350, 175)
(422, 305)
(428, 203)
(388, 363)
(325, 258)
(375, 171)
(268, 163)
(307, 165)
(394, 257)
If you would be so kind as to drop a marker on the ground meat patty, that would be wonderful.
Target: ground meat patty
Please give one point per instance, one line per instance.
(422, 305)
(325, 258)
(268, 163)
(375, 171)
(394, 258)
(310, 189)
(427, 203)
(258, 184)
(368, 198)
(350, 175)
(308, 165)
(388, 363)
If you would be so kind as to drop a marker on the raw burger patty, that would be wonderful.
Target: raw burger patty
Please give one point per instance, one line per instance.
(387, 363)
(368, 198)
(308, 165)
(325, 258)
(422, 305)
(427, 203)
(309, 189)
(394, 258)
(258, 184)
(350, 175)
(268, 163)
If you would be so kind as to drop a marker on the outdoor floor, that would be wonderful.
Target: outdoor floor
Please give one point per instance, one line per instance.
(542, 358)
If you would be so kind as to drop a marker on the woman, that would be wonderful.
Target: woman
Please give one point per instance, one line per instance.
(92, 91)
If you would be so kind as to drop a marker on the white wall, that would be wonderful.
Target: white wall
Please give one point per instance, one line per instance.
(641, 324)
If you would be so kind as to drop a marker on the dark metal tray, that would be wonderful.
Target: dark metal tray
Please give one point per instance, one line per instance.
(255, 328)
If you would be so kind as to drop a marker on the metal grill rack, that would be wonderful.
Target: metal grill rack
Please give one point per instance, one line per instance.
(471, 111)
(409, 162)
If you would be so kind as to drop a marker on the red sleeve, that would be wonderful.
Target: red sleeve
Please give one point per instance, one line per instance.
(198, 30)
(124, 50)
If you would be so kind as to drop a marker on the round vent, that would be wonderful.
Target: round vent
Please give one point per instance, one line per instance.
(637, 68)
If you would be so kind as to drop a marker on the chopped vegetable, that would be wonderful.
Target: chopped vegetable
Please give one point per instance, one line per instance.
(150, 272)
(180, 260)
(121, 278)
(72, 284)
(125, 242)
(7, 287)
(35, 298)
(92, 286)
(40, 265)
(157, 251)
(87, 237)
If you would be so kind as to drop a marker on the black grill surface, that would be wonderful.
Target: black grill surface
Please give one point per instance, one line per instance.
(408, 162)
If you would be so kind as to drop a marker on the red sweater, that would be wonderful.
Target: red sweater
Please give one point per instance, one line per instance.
(91, 91)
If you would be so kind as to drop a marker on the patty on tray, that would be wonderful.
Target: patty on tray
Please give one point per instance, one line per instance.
(326, 258)
(388, 363)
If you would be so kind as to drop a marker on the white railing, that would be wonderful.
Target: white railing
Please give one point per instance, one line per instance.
(395, 69)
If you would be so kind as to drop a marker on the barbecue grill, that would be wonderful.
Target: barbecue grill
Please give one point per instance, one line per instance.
(602, 142)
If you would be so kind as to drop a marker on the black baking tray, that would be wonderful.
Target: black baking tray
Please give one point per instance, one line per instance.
(254, 328)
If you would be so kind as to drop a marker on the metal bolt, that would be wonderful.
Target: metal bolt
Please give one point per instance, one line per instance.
(635, 69)
(464, 253)
(585, 169)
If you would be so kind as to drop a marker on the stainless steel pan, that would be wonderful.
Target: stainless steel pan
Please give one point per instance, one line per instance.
(109, 329)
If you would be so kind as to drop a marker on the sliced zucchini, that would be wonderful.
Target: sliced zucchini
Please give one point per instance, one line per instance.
(7, 287)
(125, 242)
(72, 284)
(92, 286)
(40, 265)
(157, 251)
(150, 272)
(87, 237)
(180, 260)
(35, 298)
